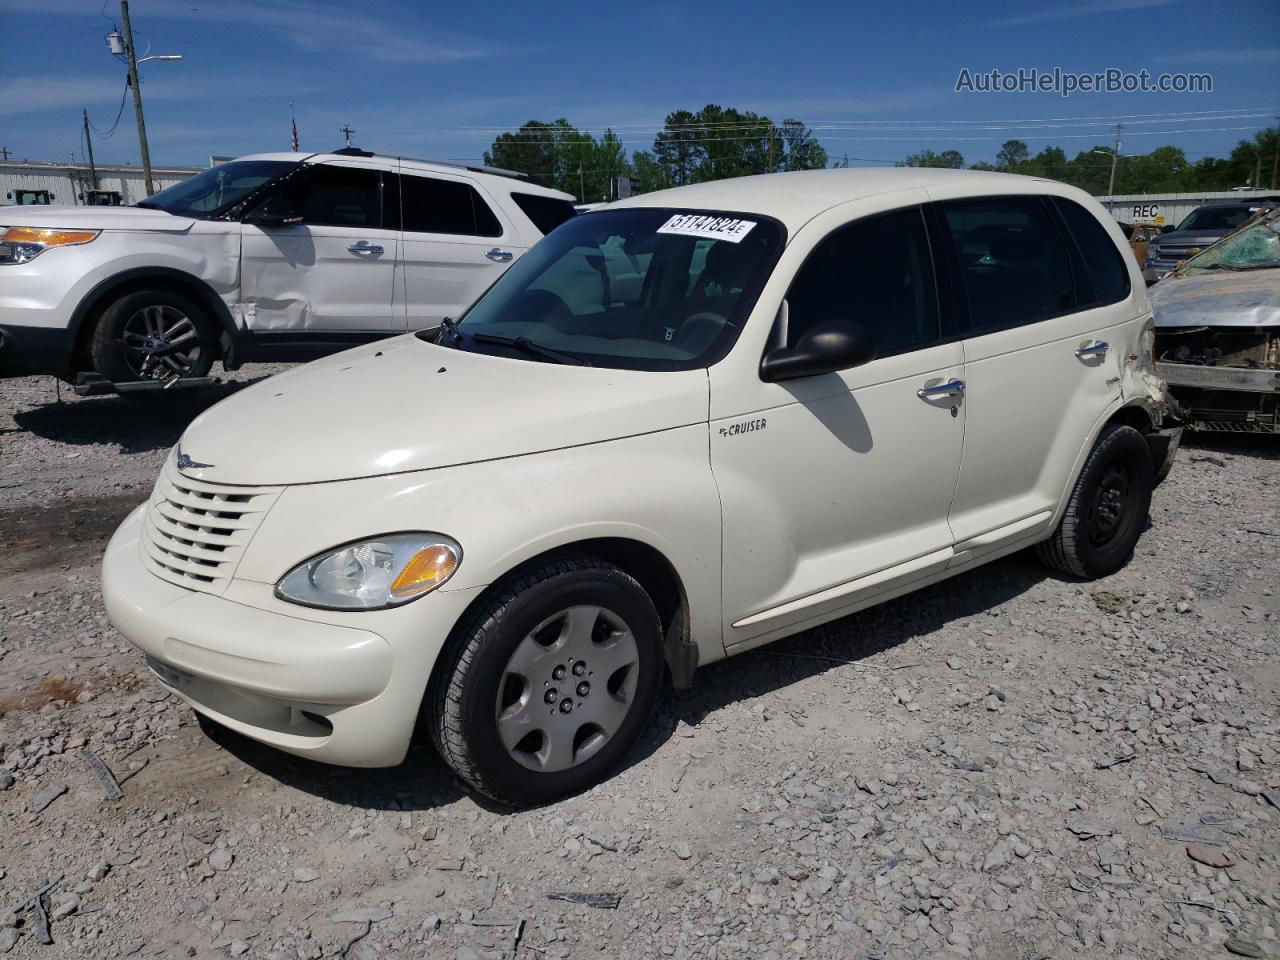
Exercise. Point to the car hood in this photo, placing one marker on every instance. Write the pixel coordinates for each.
(1220, 298)
(94, 218)
(405, 404)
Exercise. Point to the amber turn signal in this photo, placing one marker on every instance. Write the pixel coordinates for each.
(426, 570)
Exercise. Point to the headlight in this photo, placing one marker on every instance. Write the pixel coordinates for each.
(372, 574)
(20, 244)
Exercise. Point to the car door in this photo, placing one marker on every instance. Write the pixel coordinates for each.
(1043, 355)
(836, 488)
(454, 245)
(317, 259)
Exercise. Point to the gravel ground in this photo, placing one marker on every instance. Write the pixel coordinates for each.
(1005, 765)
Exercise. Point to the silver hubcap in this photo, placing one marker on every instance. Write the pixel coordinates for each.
(160, 342)
(567, 688)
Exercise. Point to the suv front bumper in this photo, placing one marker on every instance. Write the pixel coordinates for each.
(336, 692)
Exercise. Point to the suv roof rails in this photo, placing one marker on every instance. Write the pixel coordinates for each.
(473, 167)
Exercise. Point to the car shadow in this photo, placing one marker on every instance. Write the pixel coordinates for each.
(137, 424)
(424, 782)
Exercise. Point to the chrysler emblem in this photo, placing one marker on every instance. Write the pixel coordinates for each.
(186, 463)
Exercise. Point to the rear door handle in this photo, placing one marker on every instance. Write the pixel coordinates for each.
(364, 246)
(1096, 348)
(952, 388)
(499, 256)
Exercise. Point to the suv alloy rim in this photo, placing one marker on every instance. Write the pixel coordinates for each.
(160, 342)
(567, 688)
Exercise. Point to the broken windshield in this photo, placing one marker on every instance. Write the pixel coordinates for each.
(1253, 248)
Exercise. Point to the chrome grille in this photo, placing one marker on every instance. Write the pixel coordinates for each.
(196, 532)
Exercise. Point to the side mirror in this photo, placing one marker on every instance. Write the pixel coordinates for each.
(264, 216)
(826, 347)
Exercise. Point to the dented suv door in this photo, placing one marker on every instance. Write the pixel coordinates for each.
(332, 271)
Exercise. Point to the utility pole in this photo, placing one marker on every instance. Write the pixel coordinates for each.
(1275, 155)
(4, 152)
(137, 97)
(346, 131)
(1115, 155)
(88, 142)
(582, 185)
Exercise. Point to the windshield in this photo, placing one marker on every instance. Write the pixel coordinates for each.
(209, 193)
(1254, 248)
(1216, 218)
(638, 289)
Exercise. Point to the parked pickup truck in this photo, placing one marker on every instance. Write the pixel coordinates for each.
(271, 257)
(1201, 228)
(682, 426)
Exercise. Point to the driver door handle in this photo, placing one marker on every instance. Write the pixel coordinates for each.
(364, 246)
(499, 256)
(952, 388)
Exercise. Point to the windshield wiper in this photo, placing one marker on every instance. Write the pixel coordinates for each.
(536, 349)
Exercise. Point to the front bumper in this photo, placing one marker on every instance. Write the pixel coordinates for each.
(337, 692)
(26, 351)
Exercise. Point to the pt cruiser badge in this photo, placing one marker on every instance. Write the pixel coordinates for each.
(184, 462)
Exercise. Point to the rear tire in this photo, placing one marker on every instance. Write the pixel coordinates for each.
(153, 335)
(545, 688)
(1107, 508)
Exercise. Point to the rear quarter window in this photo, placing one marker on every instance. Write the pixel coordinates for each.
(1106, 273)
(547, 213)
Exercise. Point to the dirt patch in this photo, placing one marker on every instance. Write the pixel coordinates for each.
(63, 691)
(68, 532)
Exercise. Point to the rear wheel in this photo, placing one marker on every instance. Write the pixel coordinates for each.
(1107, 508)
(550, 683)
(153, 335)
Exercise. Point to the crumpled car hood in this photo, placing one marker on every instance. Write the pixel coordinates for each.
(405, 404)
(1218, 299)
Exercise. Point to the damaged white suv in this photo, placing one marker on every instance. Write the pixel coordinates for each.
(278, 257)
(680, 427)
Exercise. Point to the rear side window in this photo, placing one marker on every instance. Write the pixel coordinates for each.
(429, 205)
(1013, 263)
(877, 272)
(1106, 277)
(547, 213)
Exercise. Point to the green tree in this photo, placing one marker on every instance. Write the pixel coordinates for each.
(677, 147)
(649, 174)
(803, 152)
(927, 158)
(1011, 155)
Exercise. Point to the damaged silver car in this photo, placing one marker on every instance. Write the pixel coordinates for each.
(1217, 323)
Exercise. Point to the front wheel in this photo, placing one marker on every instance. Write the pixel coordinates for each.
(153, 335)
(545, 688)
(1107, 508)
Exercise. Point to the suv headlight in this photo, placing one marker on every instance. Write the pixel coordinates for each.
(21, 244)
(372, 574)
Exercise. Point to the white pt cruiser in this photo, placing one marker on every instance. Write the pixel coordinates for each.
(680, 427)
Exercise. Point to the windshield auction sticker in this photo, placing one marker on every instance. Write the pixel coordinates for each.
(712, 228)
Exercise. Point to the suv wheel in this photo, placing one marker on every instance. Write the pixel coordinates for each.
(1107, 508)
(550, 683)
(153, 335)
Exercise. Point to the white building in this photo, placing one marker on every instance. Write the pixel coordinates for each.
(1170, 208)
(66, 183)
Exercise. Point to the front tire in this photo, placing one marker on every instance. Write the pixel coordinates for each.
(1107, 508)
(153, 335)
(546, 687)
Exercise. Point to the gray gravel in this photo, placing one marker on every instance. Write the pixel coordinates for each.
(1006, 765)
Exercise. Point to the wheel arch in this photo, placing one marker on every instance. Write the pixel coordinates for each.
(649, 567)
(89, 310)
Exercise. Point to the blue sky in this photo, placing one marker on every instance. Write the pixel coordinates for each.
(876, 80)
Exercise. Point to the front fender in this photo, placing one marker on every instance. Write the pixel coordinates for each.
(655, 489)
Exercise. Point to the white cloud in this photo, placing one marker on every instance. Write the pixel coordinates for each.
(1053, 14)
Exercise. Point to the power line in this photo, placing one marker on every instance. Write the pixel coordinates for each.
(119, 114)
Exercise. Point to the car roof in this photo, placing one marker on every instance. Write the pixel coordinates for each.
(493, 176)
(796, 197)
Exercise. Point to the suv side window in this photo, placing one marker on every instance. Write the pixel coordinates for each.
(877, 272)
(1013, 263)
(329, 196)
(1106, 275)
(445, 206)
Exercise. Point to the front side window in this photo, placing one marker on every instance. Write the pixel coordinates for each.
(1013, 263)
(877, 272)
(217, 189)
(430, 205)
(640, 289)
(329, 196)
